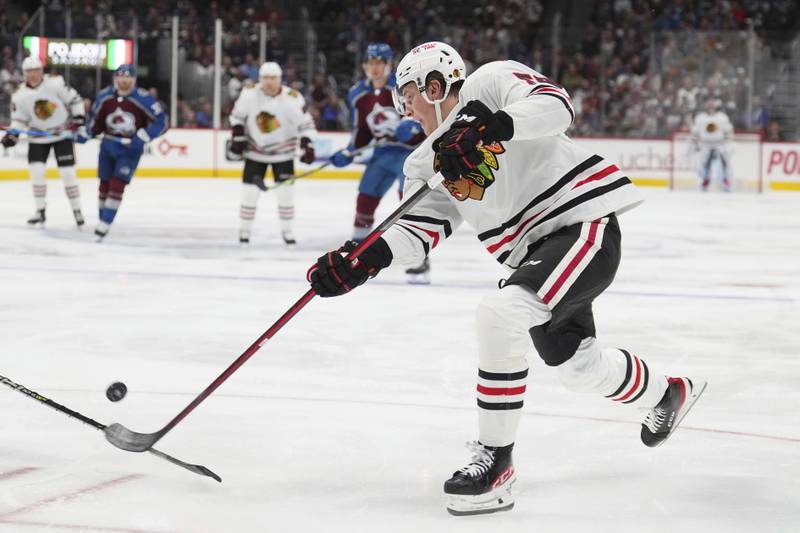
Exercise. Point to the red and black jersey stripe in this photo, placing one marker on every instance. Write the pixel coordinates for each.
(556, 92)
(542, 198)
(437, 229)
(533, 214)
(589, 195)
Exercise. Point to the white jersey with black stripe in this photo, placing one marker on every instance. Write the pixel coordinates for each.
(273, 124)
(527, 188)
(48, 107)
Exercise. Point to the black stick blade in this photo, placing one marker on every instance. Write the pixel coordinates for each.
(128, 440)
(197, 469)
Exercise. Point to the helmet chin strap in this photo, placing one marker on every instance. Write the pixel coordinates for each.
(437, 105)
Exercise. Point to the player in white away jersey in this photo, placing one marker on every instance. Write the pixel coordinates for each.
(47, 108)
(547, 210)
(268, 121)
(712, 136)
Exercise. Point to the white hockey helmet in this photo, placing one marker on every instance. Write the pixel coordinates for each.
(270, 68)
(31, 63)
(419, 63)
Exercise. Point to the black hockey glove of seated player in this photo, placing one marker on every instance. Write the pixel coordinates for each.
(334, 275)
(458, 147)
(239, 140)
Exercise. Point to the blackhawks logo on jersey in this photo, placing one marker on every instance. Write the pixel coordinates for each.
(267, 122)
(474, 184)
(43, 109)
(711, 127)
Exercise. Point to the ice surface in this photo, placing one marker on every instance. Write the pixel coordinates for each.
(355, 413)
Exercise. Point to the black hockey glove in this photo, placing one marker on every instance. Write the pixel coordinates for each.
(239, 140)
(308, 151)
(9, 140)
(458, 147)
(334, 275)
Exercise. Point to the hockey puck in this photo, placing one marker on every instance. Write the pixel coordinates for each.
(116, 391)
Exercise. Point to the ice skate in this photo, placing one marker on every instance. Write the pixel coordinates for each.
(288, 238)
(244, 237)
(419, 275)
(663, 419)
(483, 486)
(101, 231)
(37, 218)
(79, 220)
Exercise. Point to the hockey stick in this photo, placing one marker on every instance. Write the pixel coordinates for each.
(41, 134)
(29, 133)
(197, 469)
(289, 179)
(124, 438)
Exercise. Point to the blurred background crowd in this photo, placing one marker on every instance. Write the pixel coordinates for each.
(635, 68)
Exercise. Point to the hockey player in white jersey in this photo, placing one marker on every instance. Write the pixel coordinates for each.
(543, 207)
(712, 137)
(268, 121)
(47, 108)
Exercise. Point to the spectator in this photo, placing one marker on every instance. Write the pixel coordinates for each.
(774, 133)
(250, 67)
(204, 114)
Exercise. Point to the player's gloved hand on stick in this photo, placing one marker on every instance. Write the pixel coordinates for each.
(9, 140)
(308, 151)
(239, 140)
(79, 134)
(334, 275)
(342, 158)
(407, 129)
(475, 123)
(138, 141)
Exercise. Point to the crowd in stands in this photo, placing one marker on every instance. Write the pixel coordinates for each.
(633, 67)
(644, 68)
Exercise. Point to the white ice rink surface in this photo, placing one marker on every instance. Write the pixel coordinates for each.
(352, 417)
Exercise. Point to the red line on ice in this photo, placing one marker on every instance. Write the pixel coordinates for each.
(65, 497)
(79, 527)
(17, 472)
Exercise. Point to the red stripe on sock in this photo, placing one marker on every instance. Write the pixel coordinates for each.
(497, 391)
(635, 383)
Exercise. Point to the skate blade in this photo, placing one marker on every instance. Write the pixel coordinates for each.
(498, 500)
(418, 279)
(697, 390)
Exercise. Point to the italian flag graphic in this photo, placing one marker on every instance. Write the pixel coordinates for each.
(120, 52)
(37, 47)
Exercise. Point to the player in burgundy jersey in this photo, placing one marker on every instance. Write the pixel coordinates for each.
(375, 120)
(128, 117)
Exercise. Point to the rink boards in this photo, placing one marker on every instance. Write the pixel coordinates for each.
(201, 153)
